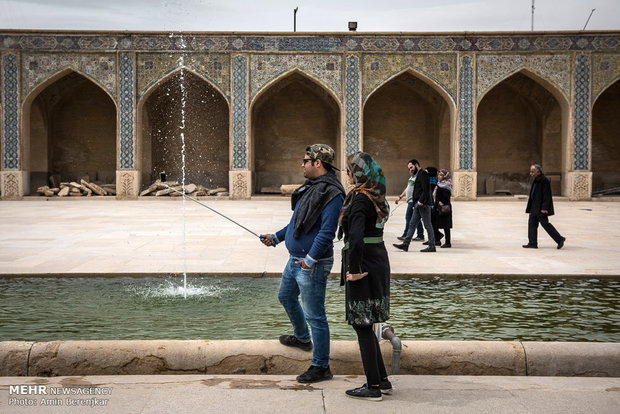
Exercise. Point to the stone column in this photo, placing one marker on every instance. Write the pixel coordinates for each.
(240, 177)
(13, 180)
(352, 105)
(464, 177)
(127, 177)
(578, 182)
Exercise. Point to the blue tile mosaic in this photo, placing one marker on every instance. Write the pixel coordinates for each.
(239, 104)
(10, 104)
(333, 43)
(127, 93)
(582, 113)
(352, 104)
(466, 114)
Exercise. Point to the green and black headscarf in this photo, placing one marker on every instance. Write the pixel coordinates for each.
(368, 178)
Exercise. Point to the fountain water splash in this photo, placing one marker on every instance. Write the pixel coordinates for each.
(170, 289)
(181, 64)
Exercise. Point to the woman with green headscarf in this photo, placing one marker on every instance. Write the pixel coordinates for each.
(366, 268)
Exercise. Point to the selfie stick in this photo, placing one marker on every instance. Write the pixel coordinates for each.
(162, 178)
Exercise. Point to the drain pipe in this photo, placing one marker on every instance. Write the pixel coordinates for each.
(387, 332)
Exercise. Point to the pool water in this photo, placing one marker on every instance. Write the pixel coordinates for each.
(121, 308)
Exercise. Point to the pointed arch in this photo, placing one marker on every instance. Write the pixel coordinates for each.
(69, 126)
(173, 72)
(291, 72)
(409, 115)
(522, 119)
(426, 78)
(205, 130)
(611, 83)
(606, 139)
(42, 85)
(536, 77)
(288, 114)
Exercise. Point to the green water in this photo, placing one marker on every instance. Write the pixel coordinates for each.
(45, 309)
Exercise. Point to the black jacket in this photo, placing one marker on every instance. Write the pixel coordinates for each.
(422, 188)
(540, 196)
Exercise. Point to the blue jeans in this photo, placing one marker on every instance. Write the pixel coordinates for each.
(311, 284)
(408, 215)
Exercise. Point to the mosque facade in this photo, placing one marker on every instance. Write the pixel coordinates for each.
(238, 109)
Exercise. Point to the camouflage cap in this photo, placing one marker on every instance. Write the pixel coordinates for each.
(322, 152)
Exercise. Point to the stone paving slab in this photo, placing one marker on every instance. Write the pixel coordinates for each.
(281, 394)
(166, 236)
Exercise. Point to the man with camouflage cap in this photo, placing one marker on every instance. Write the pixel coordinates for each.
(309, 239)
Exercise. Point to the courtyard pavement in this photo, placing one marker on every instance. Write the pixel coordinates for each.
(100, 236)
(107, 237)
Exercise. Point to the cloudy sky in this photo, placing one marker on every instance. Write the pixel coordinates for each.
(313, 15)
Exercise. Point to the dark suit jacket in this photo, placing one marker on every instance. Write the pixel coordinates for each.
(540, 196)
(422, 188)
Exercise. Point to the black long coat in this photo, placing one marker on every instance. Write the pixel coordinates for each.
(540, 196)
(367, 299)
(443, 195)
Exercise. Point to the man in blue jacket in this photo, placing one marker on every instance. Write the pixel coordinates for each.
(309, 239)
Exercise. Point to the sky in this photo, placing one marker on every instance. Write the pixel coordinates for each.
(312, 16)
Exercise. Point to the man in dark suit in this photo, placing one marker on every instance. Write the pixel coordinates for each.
(540, 207)
(423, 200)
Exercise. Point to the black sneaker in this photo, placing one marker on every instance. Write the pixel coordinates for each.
(315, 374)
(290, 340)
(401, 238)
(429, 249)
(419, 238)
(385, 387)
(365, 393)
(561, 243)
(530, 246)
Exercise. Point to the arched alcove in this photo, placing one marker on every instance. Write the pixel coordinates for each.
(407, 118)
(519, 123)
(606, 139)
(292, 113)
(184, 107)
(70, 131)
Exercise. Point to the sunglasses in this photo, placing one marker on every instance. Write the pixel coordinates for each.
(305, 160)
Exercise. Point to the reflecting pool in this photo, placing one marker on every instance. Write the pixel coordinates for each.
(45, 309)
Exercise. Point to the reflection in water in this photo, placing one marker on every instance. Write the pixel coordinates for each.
(44, 309)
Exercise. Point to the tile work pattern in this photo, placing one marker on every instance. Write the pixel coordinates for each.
(240, 111)
(466, 115)
(10, 111)
(439, 68)
(324, 69)
(127, 94)
(307, 43)
(98, 67)
(153, 67)
(492, 69)
(582, 113)
(605, 72)
(353, 104)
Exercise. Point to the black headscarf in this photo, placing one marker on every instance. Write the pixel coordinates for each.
(314, 195)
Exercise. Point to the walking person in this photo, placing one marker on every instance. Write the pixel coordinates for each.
(421, 210)
(432, 176)
(309, 240)
(443, 206)
(366, 268)
(540, 207)
(407, 194)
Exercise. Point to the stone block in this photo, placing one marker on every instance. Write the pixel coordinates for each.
(14, 358)
(462, 358)
(288, 188)
(64, 191)
(127, 184)
(240, 183)
(14, 184)
(569, 359)
(464, 185)
(578, 185)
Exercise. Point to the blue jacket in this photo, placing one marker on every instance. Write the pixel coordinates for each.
(318, 243)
